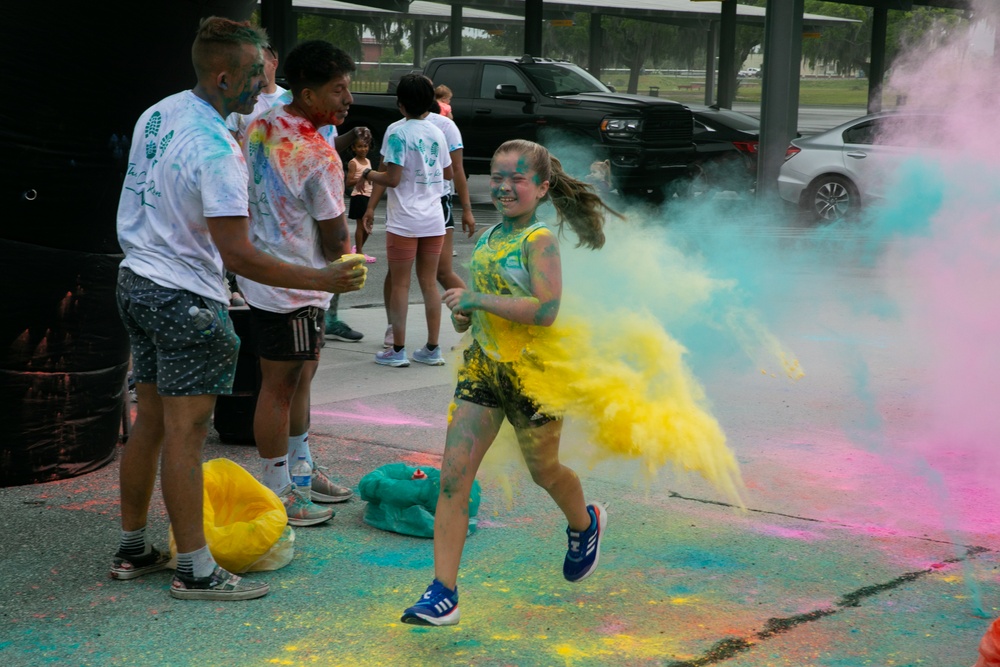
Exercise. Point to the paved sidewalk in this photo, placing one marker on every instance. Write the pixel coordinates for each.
(683, 580)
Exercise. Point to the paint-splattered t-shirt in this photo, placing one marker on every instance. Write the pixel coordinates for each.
(500, 267)
(296, 178)
(414, 206)
(184, 167)
(239, 123)
(328, 131)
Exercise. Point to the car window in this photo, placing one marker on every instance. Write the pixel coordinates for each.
(562, 79)
(736, 120)
(862, 133)
(496, 75)
(457, 76)
(911, 131)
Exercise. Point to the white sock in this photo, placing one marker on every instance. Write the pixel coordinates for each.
(198, 563)
(275, 473)
(298, 445)
(134, 542)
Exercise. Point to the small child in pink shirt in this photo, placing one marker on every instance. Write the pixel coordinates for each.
(360, 194)
(443, 96)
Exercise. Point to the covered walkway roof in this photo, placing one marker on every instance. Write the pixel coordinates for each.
(477, 12)
(419, 9)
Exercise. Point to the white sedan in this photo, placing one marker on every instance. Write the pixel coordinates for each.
(831, 174)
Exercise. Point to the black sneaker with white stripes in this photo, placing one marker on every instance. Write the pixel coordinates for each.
(437, 606)
(585, 548)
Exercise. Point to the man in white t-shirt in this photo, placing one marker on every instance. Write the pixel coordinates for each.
(271, 96)
(182, 213)
(416, 164)
(336, 328)
(297, 213)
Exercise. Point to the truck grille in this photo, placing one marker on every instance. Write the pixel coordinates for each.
(673, 126)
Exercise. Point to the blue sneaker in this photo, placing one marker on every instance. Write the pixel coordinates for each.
(437, 606)
(388, 357)
(425, 356)
(585, 548)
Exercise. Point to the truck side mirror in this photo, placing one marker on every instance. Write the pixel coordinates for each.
(507, 91)
(611, 88)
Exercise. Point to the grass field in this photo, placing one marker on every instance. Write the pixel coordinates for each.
(812, 92)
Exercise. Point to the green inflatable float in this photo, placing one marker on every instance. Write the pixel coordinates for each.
(402, 499)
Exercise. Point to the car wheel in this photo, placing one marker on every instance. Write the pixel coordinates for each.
(695, 183)
(831, 197)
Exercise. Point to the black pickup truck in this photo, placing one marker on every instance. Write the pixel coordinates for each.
(647, 139)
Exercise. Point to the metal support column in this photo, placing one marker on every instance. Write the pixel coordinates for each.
(533, 27)
(876, 68)
(277, 17)
(779, 104)
(710, 49)
(596, 37)
(455, 31)
(727, 54)
(417, 39)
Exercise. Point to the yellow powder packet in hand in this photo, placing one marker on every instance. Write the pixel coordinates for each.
(352, 256)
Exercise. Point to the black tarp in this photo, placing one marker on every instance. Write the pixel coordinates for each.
(76, 76)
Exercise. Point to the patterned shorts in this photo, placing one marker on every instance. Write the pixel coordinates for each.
(168, 348)
(494, 384)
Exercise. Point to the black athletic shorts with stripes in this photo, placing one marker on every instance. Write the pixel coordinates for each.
(449, 217)
(294, 336)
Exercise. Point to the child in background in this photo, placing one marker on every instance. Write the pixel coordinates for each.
(516, 288)
(443, 96)
(361, 192)
(416, 164)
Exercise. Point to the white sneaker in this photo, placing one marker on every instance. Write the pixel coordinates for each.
(390, 357)
(387, 341)
(425, 356)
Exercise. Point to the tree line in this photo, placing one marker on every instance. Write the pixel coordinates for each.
(637, 44)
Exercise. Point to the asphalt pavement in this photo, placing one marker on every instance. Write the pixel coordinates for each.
(816, 571)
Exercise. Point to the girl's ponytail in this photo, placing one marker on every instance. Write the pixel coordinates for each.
(578, 206)
(575, 201)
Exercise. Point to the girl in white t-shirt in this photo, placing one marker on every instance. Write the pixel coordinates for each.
(416, 164)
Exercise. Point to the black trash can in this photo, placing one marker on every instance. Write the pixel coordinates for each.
(234, 413)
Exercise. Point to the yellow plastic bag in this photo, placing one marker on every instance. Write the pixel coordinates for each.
(246, 525)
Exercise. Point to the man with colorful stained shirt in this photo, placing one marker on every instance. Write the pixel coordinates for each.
(297, 213)
(182, 214)
(274, 95)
